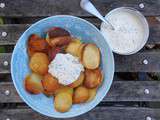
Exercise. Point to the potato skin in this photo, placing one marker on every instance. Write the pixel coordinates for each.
(64, 89)
(39, 63)
(78, 82)
(37, 43)
(80, 95)
(73, 47)
(50, 83)
(33, 83)
(93, 78)
(92, 94)
(63, 102)
(91, 51)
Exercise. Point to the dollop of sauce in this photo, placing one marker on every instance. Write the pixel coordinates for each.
(66, 68)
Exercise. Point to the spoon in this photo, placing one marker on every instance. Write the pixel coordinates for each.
(89, 7)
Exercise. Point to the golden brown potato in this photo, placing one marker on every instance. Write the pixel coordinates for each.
(93, 78)
(80, 51)
(64, 89)
(39, 63)
(80, 95)
(50, 83)
(63, 102)
(37, 44)
(30, 51)
(73, 47)
(33, 83)
(91, 51)
(57, 32)
(92, 94)
(78, 82)
(47, 94)
(60, 41)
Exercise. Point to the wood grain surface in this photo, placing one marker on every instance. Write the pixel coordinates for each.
(99, 113)
(20, 8)
(119, 91)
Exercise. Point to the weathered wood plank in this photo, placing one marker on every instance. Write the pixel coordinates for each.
(32, 8)
(15, 30)
(99, 113)
(132, 63)
(120, 91)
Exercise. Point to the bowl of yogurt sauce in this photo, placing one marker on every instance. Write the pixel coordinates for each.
(131, 30)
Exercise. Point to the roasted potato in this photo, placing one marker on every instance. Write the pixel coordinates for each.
(37, 44)
(30, 51)
(39, 63)
(63, 102)
(50, 83)
(48, 94)
(60, 41)
(91, 51)
(93, 78)
(33, 83)
(80, 51)
(80, 95)
(64, 89)
(92, 94)
(57, 32)
(78, 82)
(73, 47)
(52, 51)
(60, 34)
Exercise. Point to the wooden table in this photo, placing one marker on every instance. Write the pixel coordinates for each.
(133, 91)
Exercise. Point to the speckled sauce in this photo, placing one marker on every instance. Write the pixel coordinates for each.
(66, 68)
(128, 34)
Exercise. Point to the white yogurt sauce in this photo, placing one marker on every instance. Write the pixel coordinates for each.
(66, 68)
(128, 34)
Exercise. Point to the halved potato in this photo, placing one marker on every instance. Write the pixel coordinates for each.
(63, 102)
(60, 41)
(39, 63)
(64, 89)
(57, 36)
(93, 78)
(91, 56)
(92, 94)
(73, 47)
(33, 83)
(50, 83)
(80, 51)
(37, 44)
(78, 82)
(81, 95)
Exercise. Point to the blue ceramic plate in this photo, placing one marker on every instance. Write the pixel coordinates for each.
(78, 28)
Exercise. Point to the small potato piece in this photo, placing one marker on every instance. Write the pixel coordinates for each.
(80, 95)
(39, 63)
(37, 44)
(33, 83)
(64, 89)
(80, 51)
(50, 83)
(92, 94)
(60, 41)
(63, 102)
(73, 47)
(91, 51)
(93, 78)
(78, 82)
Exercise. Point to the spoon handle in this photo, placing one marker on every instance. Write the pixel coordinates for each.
(89, 7)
